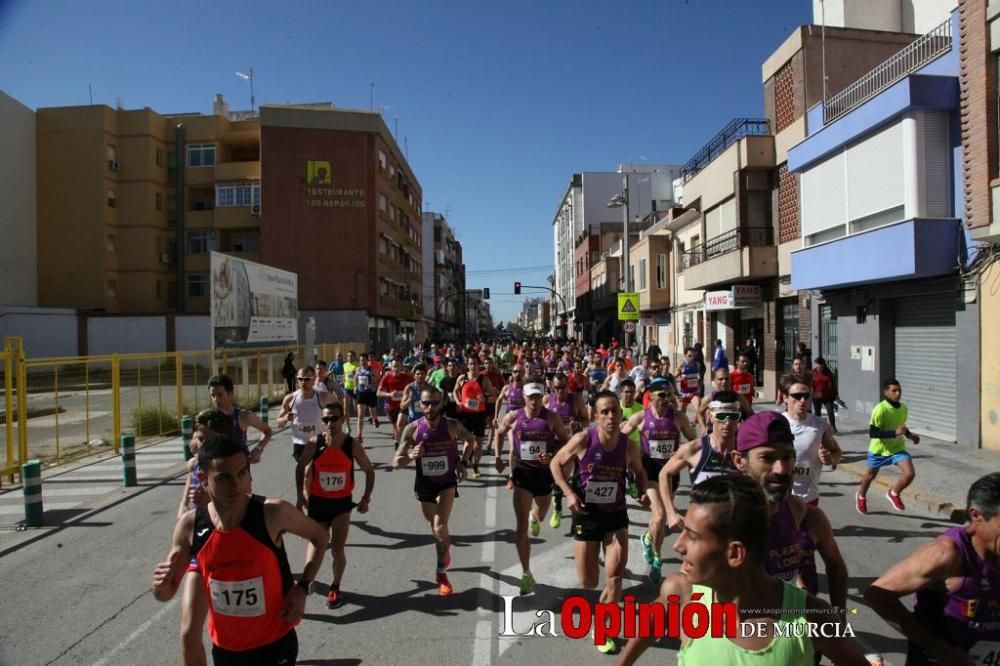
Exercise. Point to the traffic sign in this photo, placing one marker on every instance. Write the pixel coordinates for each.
(628, 306)
(629, 326)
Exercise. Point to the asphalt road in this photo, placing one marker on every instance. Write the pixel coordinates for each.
(79, 593)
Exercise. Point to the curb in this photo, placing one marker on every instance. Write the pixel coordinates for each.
(936, 505)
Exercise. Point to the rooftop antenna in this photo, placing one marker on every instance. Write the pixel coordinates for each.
(249, 78)
(406, 148)
(822, 41)
(90, 88)
(371, 96)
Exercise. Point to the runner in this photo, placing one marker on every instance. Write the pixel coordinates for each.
(659, 428)
(497, 381)
(350, 398)
(236, 540)
(536, 433)
(720, 382)
(434, 440)
(409, 408)
(614, 380)
(472, 391)
(689, 378)
(330, 486)
(597, 498)
(220, 391)
(575, 417)
(304, 410)
(741, 380)
(956, 578)
(705, 457)
(326, 386)
(511, 399)
(887, 429)
(390, 389)
(723, 548)
(365, 381)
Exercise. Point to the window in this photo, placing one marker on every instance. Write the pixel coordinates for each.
(241, 195)
(244, 241)
(171, 294)
(159, 288)
(159, 157)
(383, 245)
(383, 287)
(661, 271)
(159, 201)
(199, 241)
(111, 289)
(382, 203)
(642, 274)
(171, 209)
(197, 285)
(171, 167)
(392, 172)
(110, 243)
(201, 155)
(112, 199)
(381, 160)
(437, 234)
(112, 154)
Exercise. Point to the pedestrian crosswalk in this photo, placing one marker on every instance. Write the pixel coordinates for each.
(88, 483)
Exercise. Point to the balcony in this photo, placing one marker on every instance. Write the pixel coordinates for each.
(741, 254)
(235, 217)
(727, 136)
(228, 171)
(915, 248)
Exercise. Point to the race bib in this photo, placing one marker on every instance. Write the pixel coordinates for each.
(238, 598)
(744, 389)
(306, 429)
(472, 403)
(434, 465)
(601, 492)
(332, 481)
(661, 449)
(986, 653)
(802, 470)
(362, 381)
(339, 378)
(530, 450)
(397, 395)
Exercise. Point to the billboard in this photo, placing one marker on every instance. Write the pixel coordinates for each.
(253, 305)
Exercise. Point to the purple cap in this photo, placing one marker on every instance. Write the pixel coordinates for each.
(763, 428)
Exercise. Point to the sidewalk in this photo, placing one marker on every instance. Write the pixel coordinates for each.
(945, 470)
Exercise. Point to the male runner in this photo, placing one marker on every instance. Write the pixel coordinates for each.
(658, 428)
(409, 407)
(720, 382)
(330, 486)
(575, 416)
(497, 381)
(328, 388)
(956, 579)
(220, 391)
(350, 368)
(597, 498)
(689, 378)
(887, 429)
(472, 393)
(705, 457)
(390, 389)
(304, 410)
(723, 547)
(365, 381)
(536, 433)
(236, 540)
(741, 380)
(434, 441)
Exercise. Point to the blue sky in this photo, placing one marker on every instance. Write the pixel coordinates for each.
(499, 102)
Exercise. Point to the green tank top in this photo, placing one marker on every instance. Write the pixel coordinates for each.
(791, 651)
(627, 413)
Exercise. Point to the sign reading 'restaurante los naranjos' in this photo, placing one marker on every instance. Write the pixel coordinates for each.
(322, 192)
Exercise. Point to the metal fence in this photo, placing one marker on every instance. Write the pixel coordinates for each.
(61, 409)
(918, 53)
(727, 242)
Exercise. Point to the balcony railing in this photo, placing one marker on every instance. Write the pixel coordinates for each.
(728, 242)
(727, 136)
(923, 50)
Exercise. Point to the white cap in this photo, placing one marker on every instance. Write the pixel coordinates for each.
(533, 389)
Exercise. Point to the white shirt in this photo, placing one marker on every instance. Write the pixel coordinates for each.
(808, 439)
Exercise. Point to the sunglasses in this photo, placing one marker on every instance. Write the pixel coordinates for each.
(558, 387)
(663, 395)
(800, 396)
(430, 403)
(330, 419)
(304, 379)
(727, 417)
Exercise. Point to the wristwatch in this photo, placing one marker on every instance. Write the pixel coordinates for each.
(305, 585)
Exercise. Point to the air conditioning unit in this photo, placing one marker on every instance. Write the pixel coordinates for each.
(255, 209)
(167, 257)
(114, 165)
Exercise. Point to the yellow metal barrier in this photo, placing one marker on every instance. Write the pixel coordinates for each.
(79, 406)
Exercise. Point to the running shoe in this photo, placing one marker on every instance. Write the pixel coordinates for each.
(633, 490)
(556, 520)
(444, 585)
(655, 572)
(861, 504)
(334, 599)
(475, 472)
(527, 584)
(608, 647)
(446, 562)
(510, 483)
(377, 423)
(488, 451)
(647, 547)
(535, 527)
(896, 501)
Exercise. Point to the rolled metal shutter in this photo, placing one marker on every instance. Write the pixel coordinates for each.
(926, 362)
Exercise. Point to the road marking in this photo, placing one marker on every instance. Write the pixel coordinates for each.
(69, 492)
(482, 647)
(12, 509)
(117, 464)
(138, 632)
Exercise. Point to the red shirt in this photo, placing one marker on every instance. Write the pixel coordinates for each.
(496, 381)
(742, 383)
(576, 382)
(822, 386)
(394, 382)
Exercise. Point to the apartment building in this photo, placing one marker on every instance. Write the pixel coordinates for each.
(444, 278)
(18, 267)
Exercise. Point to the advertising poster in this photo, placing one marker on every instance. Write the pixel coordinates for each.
(253, 305)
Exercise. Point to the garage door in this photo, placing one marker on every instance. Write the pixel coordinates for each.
(926, 362)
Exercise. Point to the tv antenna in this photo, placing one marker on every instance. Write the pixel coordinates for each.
(249, 79)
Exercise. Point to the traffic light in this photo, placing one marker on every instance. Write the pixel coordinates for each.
(517, 287)
(486, 293)
(565, 321)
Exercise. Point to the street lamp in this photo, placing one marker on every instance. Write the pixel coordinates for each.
(620, 200)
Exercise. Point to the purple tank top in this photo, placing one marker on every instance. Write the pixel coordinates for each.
(601, 480)
(784, 557)
(565, 410)
(437, 464)
(972, 613)
(658, 436)
(532, 437)
(515, 397)
(238, 433)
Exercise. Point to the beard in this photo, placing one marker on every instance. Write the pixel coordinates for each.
(776, 495)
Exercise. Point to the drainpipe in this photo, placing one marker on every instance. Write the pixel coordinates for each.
(179, 241)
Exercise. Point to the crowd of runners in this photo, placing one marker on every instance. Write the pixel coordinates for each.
(579, 433)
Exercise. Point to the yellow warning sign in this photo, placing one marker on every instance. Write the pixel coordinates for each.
(628, 306)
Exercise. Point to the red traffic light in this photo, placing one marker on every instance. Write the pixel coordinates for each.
(517, 287)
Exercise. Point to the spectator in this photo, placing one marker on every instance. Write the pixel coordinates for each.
(824, 391)
(288, 371)
(719, 359)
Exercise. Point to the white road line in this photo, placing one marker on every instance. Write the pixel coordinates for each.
(117, 464)
(13, 509)
(482, 647)
(137, 633)
(69, 492)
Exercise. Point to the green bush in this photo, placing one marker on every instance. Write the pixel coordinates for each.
(154, 421)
